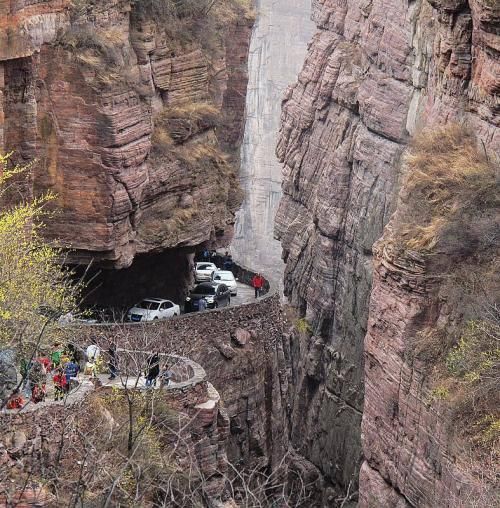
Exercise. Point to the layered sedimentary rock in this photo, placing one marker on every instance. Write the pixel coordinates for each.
(277, 50)
(412, 456)
(82, 87)
(375, 73)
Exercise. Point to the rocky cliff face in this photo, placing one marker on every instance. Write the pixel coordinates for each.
(278, 46)
(376, 72)
(427, 385)
(134, 116)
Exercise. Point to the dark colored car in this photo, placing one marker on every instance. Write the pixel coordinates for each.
(216, 295)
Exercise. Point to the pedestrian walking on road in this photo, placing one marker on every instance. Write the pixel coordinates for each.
(56, 355)
(202, 304)
(93, 353)
(16, 401)
(75, 354)
(71, 370)
(60, 384)
(165, 377)
(258, 284)
(38, 380)
(153, 369)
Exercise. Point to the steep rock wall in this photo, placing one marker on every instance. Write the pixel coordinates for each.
(277, 49)
(412, 456)
(375, 73)
(130, 121)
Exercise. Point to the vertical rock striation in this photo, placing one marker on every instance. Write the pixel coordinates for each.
(277, 49)
(376, 71)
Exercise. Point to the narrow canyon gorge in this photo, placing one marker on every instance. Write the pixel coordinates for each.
(277, 50)
(347, 149)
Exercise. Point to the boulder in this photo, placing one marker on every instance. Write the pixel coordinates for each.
(241, 336)
(225, 349)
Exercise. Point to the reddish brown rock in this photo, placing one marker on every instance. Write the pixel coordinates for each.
(241, 336)
(411, 456)
(376, 72)
(88, 117)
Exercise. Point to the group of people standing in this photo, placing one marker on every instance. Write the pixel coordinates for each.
(64, 364)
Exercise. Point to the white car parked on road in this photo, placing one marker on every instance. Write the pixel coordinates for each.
(150, 309)
(203, 272)
(226, 277)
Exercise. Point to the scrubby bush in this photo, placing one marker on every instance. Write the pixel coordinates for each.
(183, 121)
(165, 9)
(34, 289)
(303, 326)
(451, 197)
(99, 50)
(450, 184)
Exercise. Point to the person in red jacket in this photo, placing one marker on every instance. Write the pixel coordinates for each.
(258, 284)
(59, 384)
(16, 401)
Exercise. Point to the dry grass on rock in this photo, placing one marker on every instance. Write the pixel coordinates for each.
(449, 181)
(451, 200)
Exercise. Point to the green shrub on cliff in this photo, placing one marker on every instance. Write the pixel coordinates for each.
(477, 353)
(34, 290)
(303, 326)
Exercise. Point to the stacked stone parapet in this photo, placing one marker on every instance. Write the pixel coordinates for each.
(31, 439)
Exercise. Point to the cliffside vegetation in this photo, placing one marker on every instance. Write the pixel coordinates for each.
(452, 197)
(189, 9)
(452, 188)
(34, 290)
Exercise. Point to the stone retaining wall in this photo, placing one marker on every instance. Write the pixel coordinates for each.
(30, 442)
(191, 331)
(240, 350)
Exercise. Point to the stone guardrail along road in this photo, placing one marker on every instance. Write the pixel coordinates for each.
(86, 384)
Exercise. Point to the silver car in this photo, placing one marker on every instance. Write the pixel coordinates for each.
(203, 272)
(226, 277)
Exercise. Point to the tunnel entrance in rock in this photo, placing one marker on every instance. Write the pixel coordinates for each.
(165, 275)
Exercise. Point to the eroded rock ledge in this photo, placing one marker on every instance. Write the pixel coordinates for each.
(97, 92)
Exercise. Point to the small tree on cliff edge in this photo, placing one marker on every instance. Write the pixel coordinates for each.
(34, 290)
